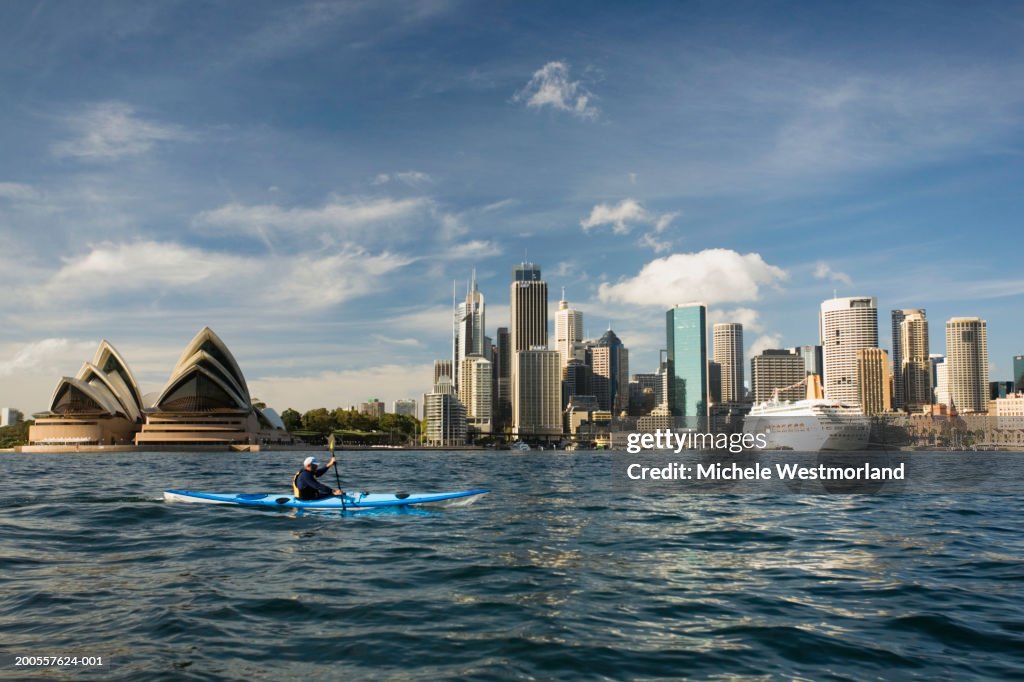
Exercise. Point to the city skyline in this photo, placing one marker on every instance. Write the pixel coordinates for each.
(311, 180)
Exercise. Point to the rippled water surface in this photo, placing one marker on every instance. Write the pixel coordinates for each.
(554, 575)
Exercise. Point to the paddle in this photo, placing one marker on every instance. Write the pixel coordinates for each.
(337, 477)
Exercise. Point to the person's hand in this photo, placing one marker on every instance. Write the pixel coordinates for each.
(334, 460)
(339, 493)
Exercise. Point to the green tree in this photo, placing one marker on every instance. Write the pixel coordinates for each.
(319, 420)
(292, 420)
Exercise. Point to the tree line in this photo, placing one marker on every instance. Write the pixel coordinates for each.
(317, 424)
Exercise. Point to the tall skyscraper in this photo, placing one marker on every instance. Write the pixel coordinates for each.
(529, 333)
(476, 393)
(914, 376)
(406, 406)
(470, 336)
(846, 326)
(777, 369)
(874, 381)
(609, 360)
(529, 299)
(940, 379)
(899, 384)
(503, 360)
(967, 359)
(1018, 372)
(687, 339)
(537, 393)
(568, 330)
(728, 352)
(714, 383)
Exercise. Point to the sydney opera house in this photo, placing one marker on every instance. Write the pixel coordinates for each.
(205, 403)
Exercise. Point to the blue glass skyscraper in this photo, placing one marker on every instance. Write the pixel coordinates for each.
(687, 339)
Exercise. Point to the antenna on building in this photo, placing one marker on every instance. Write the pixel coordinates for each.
(563, 293)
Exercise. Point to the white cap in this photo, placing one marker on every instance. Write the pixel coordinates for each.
(310, 460)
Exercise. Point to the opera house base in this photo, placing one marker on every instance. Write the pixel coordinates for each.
(110, 449)
(82, 431)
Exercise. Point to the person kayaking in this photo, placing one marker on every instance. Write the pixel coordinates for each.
(304, 483)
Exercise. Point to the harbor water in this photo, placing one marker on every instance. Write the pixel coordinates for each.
(558, 573)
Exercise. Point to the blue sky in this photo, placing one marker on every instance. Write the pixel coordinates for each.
(309, 179)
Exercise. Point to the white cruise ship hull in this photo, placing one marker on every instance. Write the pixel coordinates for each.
(809, 426)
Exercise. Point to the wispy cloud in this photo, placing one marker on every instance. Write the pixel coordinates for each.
(113, 130)
(551, 86)
(824, 271)
(45, 354)
(17, 191)
(623, 215)
(411, 178)
(711, 276)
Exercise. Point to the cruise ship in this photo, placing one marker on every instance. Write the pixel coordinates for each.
(810, 425)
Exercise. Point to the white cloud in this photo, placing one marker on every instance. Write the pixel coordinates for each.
(551, 86)
(112, 130)
(763, 342)
(48, 355)
(345, 388)
(119, 268)
(748, 317)
(712, 276)
(16, 191)
(657, 245)
(310, 282)
(411, 178)
(824, 271)
(622, 215)
(347, 216)
(472, 249)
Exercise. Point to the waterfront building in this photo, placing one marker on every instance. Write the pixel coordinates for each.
(9, 416)
(1018, 372)
(778, 369)
(476, 393)
(687, 340)
(874, 381)
(537, 393)
(912, 386)
(967, 358)
(1009, 412)
(728, 353)
(406, 407)
(940, 379)
(643, 393)
(445, 416)
(846, 325)
(897, 355)
(568, 330)
(372, 408)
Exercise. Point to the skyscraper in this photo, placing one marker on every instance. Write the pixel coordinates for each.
(898, 352)
(813, 362)
(609, 360)
(537, 393)
(503, 360)
(687, 339)
(846, 325)
(529, 299)
(777, 369)
(967, 360)
(568, 330)
(529, 333)
(442, 368)
(476, 393)
(445, 416)
(470, 336)
(940, 379)
(728, 352)
(874, 381)
(1018, 372)
(914, 376)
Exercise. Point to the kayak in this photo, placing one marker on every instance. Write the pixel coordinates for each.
(347, 502)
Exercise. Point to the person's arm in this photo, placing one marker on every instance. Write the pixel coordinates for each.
(322, 489)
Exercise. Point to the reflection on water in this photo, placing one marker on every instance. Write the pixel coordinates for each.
(555, 574)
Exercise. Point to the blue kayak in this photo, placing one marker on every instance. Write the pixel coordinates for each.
(347, 502)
